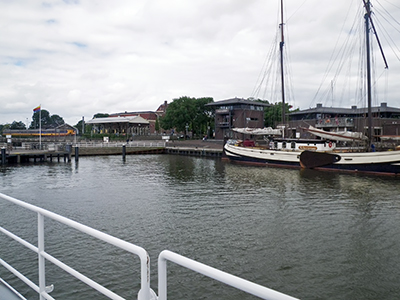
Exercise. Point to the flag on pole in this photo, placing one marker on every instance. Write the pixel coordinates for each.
(36, 109)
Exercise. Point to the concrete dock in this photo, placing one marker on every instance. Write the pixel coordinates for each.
(202, 148)
(23, 156)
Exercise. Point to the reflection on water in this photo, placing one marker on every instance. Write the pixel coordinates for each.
(313, 235)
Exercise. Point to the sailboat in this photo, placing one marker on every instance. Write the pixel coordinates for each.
(321, 154)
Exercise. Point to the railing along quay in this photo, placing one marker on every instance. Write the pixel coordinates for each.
(205, 148)
(44, 287)
(133, 144)
(194, 151)
(49, 151)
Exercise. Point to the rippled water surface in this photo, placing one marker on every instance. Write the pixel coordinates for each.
(309, 234)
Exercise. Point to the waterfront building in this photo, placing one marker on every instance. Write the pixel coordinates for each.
(242, 113)
(386, 120)
(134, 125)
(237, 113)
(131, 123)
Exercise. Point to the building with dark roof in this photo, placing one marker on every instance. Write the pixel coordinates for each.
(237, 112)
(386, 120)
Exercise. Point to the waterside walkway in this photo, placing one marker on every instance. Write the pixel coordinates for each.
(23, 156)
(202, 148)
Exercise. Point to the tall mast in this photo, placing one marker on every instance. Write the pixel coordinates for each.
(282, 74)
(369, 93)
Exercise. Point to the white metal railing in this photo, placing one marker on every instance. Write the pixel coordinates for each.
(229, 279)
(120, 144)
(145, 293)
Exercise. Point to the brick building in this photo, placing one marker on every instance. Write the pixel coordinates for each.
(239, 113)
(131, 123)
(385, 120)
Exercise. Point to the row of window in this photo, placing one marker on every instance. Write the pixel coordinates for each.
(243, 106)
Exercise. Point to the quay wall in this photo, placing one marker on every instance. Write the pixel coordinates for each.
(212, 149)
(95, 151)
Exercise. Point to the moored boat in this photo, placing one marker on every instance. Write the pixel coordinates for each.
(279, 152)
(297, 153)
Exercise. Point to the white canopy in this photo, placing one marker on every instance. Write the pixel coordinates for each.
(258, 131)
(134, 120)
(336, 135)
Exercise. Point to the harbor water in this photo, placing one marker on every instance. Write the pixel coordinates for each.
(308, 234)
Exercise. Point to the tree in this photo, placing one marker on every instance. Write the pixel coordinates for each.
(18, 125)
(273, 114)
(47, 121)
(187, 113)
(5, 126)
(179, 114)
(87, 128)
(56, 120)
(157, 125)
(204, 116)
(101, 115)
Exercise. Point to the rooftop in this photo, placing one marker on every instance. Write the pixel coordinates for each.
(238, 101)
(132, 120)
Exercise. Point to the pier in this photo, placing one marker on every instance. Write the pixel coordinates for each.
(51, 152)
(202, 148)
(24, 156)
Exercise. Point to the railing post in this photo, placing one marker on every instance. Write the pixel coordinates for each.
(42, 275)
(162, 278)
(145, 293)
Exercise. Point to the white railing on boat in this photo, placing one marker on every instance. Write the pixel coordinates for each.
(145, 293)
(229, 279)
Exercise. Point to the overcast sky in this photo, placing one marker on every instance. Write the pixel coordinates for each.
(81, 57)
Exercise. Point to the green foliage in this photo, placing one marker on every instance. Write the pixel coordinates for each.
(157, 125)
(273, 114)
(205, 114)
(18, 125)
(47, 121)
(56, 120)
(87, 128)
(101, 115)
(2, 127)
(188, 113)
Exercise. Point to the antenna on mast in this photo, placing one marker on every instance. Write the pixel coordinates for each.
(367, 5)
(281, 44)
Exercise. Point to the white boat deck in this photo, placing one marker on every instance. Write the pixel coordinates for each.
(8, 293)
